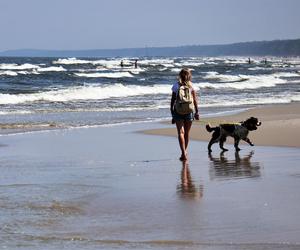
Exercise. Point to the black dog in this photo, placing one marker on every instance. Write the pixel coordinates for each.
(238, 131)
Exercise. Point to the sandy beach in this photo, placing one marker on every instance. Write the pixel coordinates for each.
(113, 188)
(280, 125)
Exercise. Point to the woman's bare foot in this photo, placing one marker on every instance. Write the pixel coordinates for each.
(183, 157)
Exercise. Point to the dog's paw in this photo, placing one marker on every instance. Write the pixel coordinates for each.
(251, 144)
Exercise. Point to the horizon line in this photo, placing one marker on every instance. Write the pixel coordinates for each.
(146, 46)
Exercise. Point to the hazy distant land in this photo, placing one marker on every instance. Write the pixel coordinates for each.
(256, 48)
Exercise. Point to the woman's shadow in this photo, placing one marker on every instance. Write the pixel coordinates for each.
(187, 187)
(222, 168)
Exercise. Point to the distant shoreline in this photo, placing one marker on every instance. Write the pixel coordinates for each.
(288, 47)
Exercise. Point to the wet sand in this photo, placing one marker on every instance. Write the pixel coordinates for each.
(113, 188)
(280, 126)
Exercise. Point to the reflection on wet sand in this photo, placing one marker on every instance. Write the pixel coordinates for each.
(222, 168)
(187, 188)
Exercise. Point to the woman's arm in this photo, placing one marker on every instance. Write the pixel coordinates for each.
(173, 99)
(195, 104)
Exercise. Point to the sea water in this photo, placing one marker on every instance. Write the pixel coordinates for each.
(37, 93)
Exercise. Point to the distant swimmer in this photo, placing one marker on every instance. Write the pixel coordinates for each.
(249, 60)
(122, 64)
(135, 63)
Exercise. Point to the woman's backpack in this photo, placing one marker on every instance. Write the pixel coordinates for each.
(184, 103)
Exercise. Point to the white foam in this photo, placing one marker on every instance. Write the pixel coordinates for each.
(246, 81)
(167, 65)
(86, 93)
(176, 70)
(8, 73)
(15, 112)
(259, 68)
(109, 63)
(52, 69)
(91, 70)
(13, 66)
(135, 71)
(112, 63)
(105, 75)
(253, 101)
(71, 60)
(190, 64)
(155, 62)
(254, 83)
(22, 72)
(224, 78)
(287, 74)
(211, 75)
(16, 73)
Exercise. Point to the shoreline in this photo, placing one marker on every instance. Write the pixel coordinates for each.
(280, 125)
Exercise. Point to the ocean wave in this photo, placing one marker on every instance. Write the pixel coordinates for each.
(253, 83)
(86, 93)
(71, 60)
(13, 66)
(26, 69)
(15, 112)
(287, 74)
(8, 73)
(110, 64)
(167, 65)
(156, 62)
(105, 75)
(246, 81)
(135, 71)
(224, 78)
(252, 101)
(51, 69)
(16, 73)
(190, 64)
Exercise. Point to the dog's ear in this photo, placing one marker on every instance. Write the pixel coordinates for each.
(254, 119)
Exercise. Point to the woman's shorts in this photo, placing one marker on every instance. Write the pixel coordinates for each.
(187, 117)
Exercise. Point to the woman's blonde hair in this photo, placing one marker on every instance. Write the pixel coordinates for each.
(185, 77)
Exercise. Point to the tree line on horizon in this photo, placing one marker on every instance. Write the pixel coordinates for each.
(255, 48)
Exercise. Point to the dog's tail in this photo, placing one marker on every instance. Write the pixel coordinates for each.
(209, 128)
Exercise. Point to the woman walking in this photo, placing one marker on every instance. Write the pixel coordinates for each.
(184, 109)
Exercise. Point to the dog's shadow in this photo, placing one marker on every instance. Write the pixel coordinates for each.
(222, 168)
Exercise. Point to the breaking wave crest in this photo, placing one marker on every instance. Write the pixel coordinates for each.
(85, 93)
(105, 75)
(245, 81)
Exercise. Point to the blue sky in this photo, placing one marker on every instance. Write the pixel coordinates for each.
(102, 24)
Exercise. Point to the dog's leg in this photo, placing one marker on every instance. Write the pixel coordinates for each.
(236, 143)
(214, 139)
(211, 142)
(221, 143)
(248, 141)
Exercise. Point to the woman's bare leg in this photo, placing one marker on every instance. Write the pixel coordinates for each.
(187, 127)
(181, 139)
